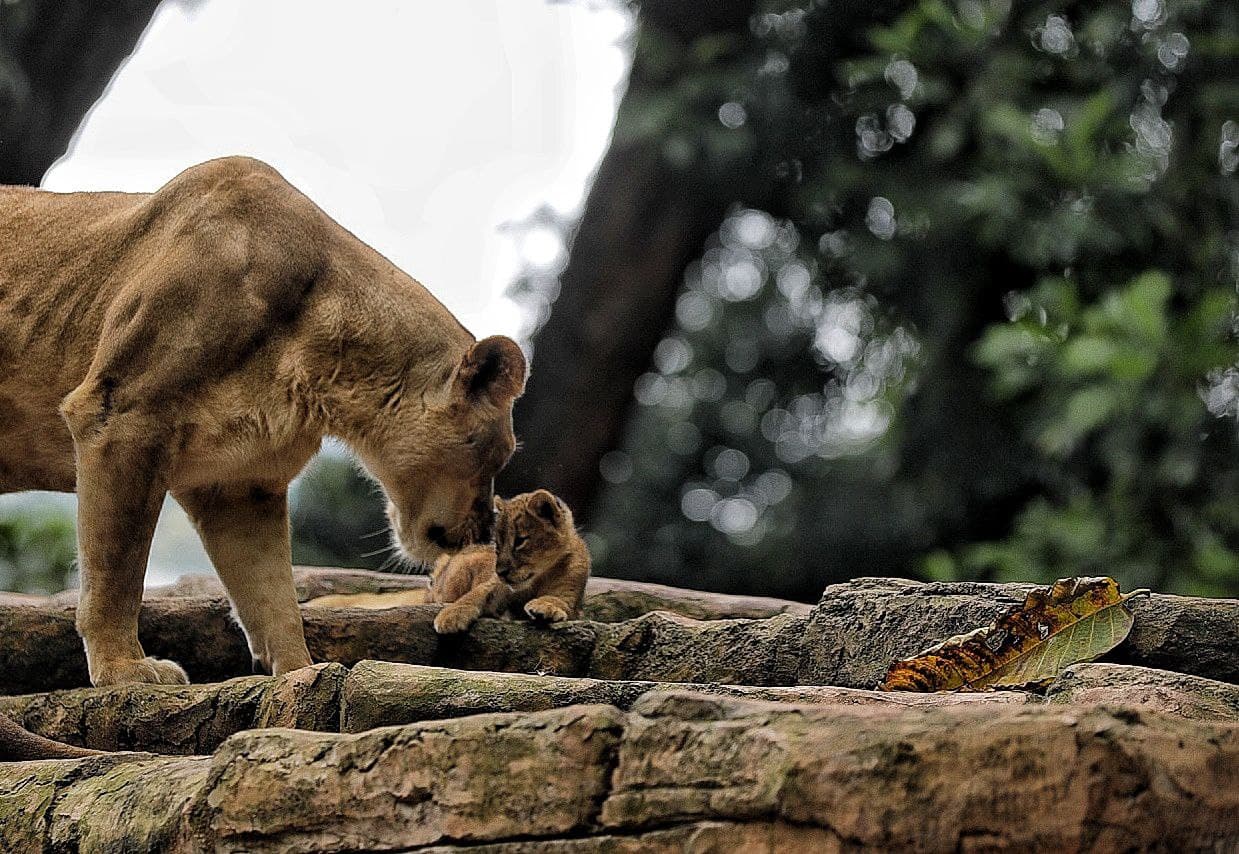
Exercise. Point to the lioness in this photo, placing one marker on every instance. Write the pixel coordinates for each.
(201, 340)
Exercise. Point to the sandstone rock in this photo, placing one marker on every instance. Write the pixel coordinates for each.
(857, 629)
(607, 600)
(195, 719)
(39, 649)
(1185, 634)
(311, 582)
(133, 806)
(199, 633)
(666, 647)
(933, 779)
(327, 698)
(1155, 690)
(849, 640)
(742, 838)
(158, 718)
(379, 693)
(486, 777)
(308, 698)
(181, 719)
(107, 803)
(681, 771)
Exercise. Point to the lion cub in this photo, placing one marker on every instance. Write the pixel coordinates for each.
(537, 567)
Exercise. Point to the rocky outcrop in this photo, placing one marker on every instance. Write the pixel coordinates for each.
(379, 693)
(857, 629)
(607, 600)
(932, 779)
(751, 730)
(182, 719)
(1146, 688)
(677, 767)
(197, 718)
(848, 640)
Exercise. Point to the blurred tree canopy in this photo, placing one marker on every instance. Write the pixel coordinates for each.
(37, 551)
(972, 314)
(943, 289)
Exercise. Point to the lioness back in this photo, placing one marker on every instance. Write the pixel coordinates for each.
(85, 291)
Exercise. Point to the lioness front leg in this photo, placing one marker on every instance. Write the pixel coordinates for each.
(244, 528)
(120, 489)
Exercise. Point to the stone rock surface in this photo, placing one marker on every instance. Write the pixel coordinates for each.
(702, 836)
(678, 769)
(190, 719)
(667, 647)
(638, 730)
(607, 600)
(200, 635)
(1144, 687)
(380, 693)
(948, 779)
(859, 628)
(848, 640)
(182, 719)
(479, 778)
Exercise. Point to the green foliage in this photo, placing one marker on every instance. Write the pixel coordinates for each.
(37, 550)
(337, 515)
(1109, 393)
(1035, 206)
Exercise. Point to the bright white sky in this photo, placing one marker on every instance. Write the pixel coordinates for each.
(423, 127)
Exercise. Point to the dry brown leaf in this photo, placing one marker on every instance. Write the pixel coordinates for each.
(1075, 620)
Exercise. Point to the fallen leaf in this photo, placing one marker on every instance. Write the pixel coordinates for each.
(1075, 620)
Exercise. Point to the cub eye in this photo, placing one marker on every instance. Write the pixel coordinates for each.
(519, 541)
(471, 440)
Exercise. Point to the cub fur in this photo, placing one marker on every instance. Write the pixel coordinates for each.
(537, 568)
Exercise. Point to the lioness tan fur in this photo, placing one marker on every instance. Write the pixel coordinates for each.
(538, 568)
(202, 340)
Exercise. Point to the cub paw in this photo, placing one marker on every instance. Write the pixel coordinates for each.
(150, 671)
(546, 608)
(453, 620)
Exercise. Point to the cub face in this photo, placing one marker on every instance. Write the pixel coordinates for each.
(532, 534)
(441, 490)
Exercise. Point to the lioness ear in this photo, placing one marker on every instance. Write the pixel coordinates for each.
(493, 367)
(545, 505)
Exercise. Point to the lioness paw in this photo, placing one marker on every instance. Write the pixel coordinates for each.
(546, 608)
(453, 620)
(150, 671)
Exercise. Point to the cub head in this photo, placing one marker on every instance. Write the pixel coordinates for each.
(532, 532)
(439, 462)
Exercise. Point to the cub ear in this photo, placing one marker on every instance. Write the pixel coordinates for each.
(544, 505)
(494, 368)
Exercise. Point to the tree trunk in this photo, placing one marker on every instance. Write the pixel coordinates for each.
(56, 59)
(645, 220)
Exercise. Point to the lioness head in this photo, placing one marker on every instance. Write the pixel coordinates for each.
(445, 453)
(532, 531)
